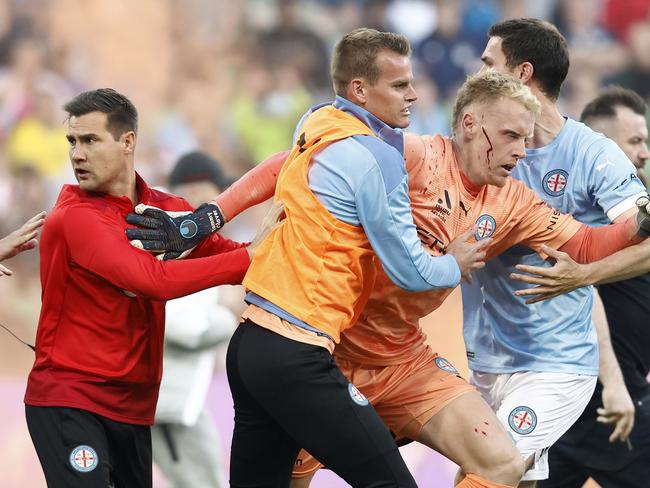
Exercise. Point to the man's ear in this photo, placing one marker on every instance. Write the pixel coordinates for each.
(468, 125)
(128, 141)
(357, 92)
(525, 72)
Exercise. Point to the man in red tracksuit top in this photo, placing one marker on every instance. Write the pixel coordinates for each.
(92, 392)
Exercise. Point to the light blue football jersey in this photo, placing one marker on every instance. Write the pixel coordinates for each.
(582, 173)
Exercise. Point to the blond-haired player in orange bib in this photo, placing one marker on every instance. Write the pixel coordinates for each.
(456, 185)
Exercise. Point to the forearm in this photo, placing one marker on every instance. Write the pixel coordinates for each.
(106, 253)
(95, 241)
(256, 186)
(6, 248)
(165, 280)
(215, 244)
(609, 370)
(591, 244)
(622, 265)
(618, 407)
(392, 233)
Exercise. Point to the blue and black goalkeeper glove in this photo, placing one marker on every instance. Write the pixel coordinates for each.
(173, 233)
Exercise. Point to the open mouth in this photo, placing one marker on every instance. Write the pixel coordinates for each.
(81, 173)
(509, 167)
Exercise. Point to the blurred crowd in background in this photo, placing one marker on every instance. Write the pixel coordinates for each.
(233, 77)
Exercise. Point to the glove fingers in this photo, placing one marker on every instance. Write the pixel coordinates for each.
(171, 255)
(143, 221)
(144, 234)
(155, 213)
(155, 246)
(174, 254)
(186, 252)
(141, 208)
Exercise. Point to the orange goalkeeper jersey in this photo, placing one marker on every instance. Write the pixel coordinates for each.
(445, 204)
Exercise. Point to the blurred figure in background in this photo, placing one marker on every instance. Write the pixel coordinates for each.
(620, 114)
(195, 325)
(265, 109)
(293, 45)
(38, 140)
(638, 72)
(430, 115)
(26, 74)
(37, 154)
(449, 51)
(580, 22)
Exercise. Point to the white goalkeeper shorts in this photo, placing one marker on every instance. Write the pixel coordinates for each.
(535, 408)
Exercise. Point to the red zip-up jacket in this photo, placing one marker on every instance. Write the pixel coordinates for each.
(99, 347)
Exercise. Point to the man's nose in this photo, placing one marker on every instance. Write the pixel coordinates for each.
(520, 150)
(76, 153)
(644, 154)
(411, 95)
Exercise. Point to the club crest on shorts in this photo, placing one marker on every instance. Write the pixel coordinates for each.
(485, 227)
(357, 396)
(555, 181)
(445, 365)
(522, 420)
(84, 458)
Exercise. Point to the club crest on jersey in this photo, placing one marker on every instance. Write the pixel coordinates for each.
(522, 420)
(84, 458)
(555, 181)
(485, 227)
(445, 365)
(357, 396)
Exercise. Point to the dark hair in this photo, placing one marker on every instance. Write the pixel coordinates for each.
(199, 166)
(604, 105)
(121, 114)
(356, 55)
(539, 43)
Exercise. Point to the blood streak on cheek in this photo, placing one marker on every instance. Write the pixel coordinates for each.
(490, 150)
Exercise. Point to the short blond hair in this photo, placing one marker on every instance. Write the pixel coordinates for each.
(490, 86)
(355, 55)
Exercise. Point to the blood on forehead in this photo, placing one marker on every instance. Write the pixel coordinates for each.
(490, 150)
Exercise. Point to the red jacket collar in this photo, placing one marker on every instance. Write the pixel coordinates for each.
(73, 192)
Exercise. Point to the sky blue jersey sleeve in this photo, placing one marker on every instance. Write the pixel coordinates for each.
(363, 181)
(612, 180)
